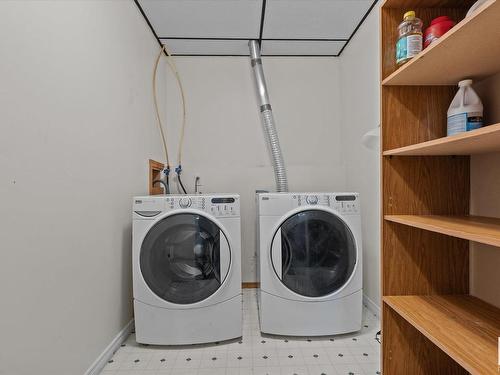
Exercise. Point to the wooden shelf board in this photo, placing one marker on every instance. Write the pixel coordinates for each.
(475, 228)
(479, 141)
(464, 327)
(463, 52)
(426, 3)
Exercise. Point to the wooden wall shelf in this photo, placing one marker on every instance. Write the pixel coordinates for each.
(430, 324)
(401, 4)
(464, 327)
(474, 228)
(463, 52)
(479, 141)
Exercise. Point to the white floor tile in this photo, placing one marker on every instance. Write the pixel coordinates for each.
(341, 358)
(296, 370)
(177, 371)
(211, 371)
(322, 370)
(351, 369)
(136, 361)
(315, 356)
(243, 371)
(371, 368)
(256, 354)
(274, 370)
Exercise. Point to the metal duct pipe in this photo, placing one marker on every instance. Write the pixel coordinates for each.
(268, 119)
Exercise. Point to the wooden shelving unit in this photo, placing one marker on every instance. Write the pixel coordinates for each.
(464, 327)
(479, 141)
(430, 323)
(474, 228)
(455, 56)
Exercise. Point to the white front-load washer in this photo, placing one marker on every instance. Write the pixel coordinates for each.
(310, 263)
(187, 268)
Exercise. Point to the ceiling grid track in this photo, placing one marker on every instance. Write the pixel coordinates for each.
(262, 18)
(358, 26)
(261, 37)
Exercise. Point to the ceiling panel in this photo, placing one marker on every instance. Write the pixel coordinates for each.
(284, 27)
(324, 19)
(206, 47)
(301, 47)
(204, 18)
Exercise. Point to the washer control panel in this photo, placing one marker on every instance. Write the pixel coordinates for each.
(345, 203)
(224, 206)
(217, 205)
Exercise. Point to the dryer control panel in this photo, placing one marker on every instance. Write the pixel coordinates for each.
(347, 203)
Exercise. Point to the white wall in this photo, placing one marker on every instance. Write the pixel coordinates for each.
(77, 129)
(224, 141)
(485, 200)
(360, 93)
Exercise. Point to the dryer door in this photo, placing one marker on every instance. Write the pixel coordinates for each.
(185, 258)
(314, 253)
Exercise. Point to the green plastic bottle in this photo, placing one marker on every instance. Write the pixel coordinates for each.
(409, 42)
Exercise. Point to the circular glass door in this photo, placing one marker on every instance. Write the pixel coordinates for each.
(314, 253)
(184, 258)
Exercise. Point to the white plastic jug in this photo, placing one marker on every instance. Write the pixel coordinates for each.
(466, 110)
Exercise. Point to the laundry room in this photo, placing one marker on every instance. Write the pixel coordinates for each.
(212, 187)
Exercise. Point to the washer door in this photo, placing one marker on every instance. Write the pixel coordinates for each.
(185, 258)
(314, 253)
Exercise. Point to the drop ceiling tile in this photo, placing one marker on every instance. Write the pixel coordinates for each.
(301, 47)
(206, 47)
(204, 18)
(322, 19)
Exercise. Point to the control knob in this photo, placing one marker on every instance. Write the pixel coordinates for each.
(312, 199)
(185, 202)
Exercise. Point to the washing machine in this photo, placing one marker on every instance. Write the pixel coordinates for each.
(310, 263)
(187, 268)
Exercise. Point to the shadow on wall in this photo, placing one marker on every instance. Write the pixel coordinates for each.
(126, 277)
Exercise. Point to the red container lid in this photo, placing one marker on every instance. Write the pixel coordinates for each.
(439, 26)
(442, 19)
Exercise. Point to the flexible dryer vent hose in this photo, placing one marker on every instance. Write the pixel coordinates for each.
(268, 119)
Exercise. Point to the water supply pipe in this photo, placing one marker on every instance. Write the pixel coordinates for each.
(266, 113)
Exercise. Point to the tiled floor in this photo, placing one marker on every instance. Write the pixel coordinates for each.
(255, 354)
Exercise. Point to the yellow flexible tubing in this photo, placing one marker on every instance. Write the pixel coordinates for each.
(173, 67)
(158, 117)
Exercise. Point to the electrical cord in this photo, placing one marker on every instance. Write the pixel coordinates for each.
(165, 185)
(178, 170)
(182, 185)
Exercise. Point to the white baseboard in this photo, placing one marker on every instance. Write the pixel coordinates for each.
(105, 356)
(372, 306)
